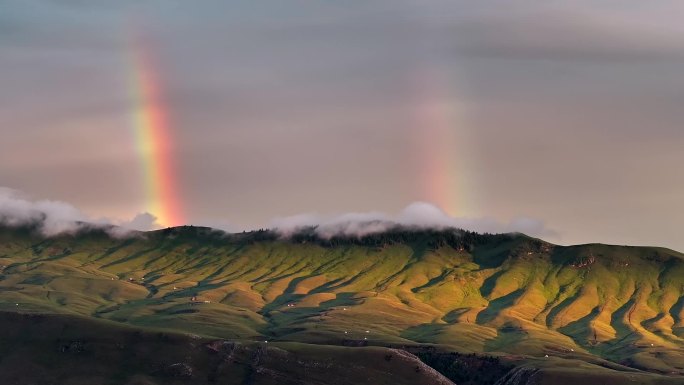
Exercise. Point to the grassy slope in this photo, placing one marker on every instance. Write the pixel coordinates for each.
(70, 350)
(511, 295)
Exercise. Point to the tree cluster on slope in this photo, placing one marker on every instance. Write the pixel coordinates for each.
(431, 238)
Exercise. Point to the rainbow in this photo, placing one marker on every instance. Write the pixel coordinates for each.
(153, 139)
(439, 139)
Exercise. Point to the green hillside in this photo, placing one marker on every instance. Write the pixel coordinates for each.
(607, 311)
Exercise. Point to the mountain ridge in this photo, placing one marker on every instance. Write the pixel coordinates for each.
(502, 294)
(303, 233)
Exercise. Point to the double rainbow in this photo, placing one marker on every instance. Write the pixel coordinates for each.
(442, 170)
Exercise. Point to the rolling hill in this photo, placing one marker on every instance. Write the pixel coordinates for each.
(606, 314)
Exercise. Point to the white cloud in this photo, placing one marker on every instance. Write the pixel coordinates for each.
(419, 215)
(142, 222)
(52, 217)
(55, 217)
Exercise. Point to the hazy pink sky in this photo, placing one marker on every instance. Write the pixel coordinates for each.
(569, 113)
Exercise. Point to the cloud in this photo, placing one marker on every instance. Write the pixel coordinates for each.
(572, 33)
(52, 217)
(419, 215)
(55, 217)
(142, 222)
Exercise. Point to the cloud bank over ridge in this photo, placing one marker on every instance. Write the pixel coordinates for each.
(56, 217)
(418, 215)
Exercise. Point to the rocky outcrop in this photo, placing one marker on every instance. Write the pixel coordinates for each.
(410, 359)
(178, 370)
(522, 375)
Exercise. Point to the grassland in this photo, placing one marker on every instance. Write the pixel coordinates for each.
(612, 312)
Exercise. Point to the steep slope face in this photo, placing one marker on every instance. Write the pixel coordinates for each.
(505, 293)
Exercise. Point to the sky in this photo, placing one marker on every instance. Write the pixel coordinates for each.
(562, 119)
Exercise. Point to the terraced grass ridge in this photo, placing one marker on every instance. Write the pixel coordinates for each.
(608, 314)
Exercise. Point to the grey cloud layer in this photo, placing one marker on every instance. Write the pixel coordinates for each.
(567, 111)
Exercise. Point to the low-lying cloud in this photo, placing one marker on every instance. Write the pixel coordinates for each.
(418, 215)
(53, 217)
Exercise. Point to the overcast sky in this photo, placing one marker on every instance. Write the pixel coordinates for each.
(570, 113)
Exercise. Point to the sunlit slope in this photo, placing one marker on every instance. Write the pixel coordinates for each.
(482, 293)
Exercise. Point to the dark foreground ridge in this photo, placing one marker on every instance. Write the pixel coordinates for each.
(263, 308)
(48, 349)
